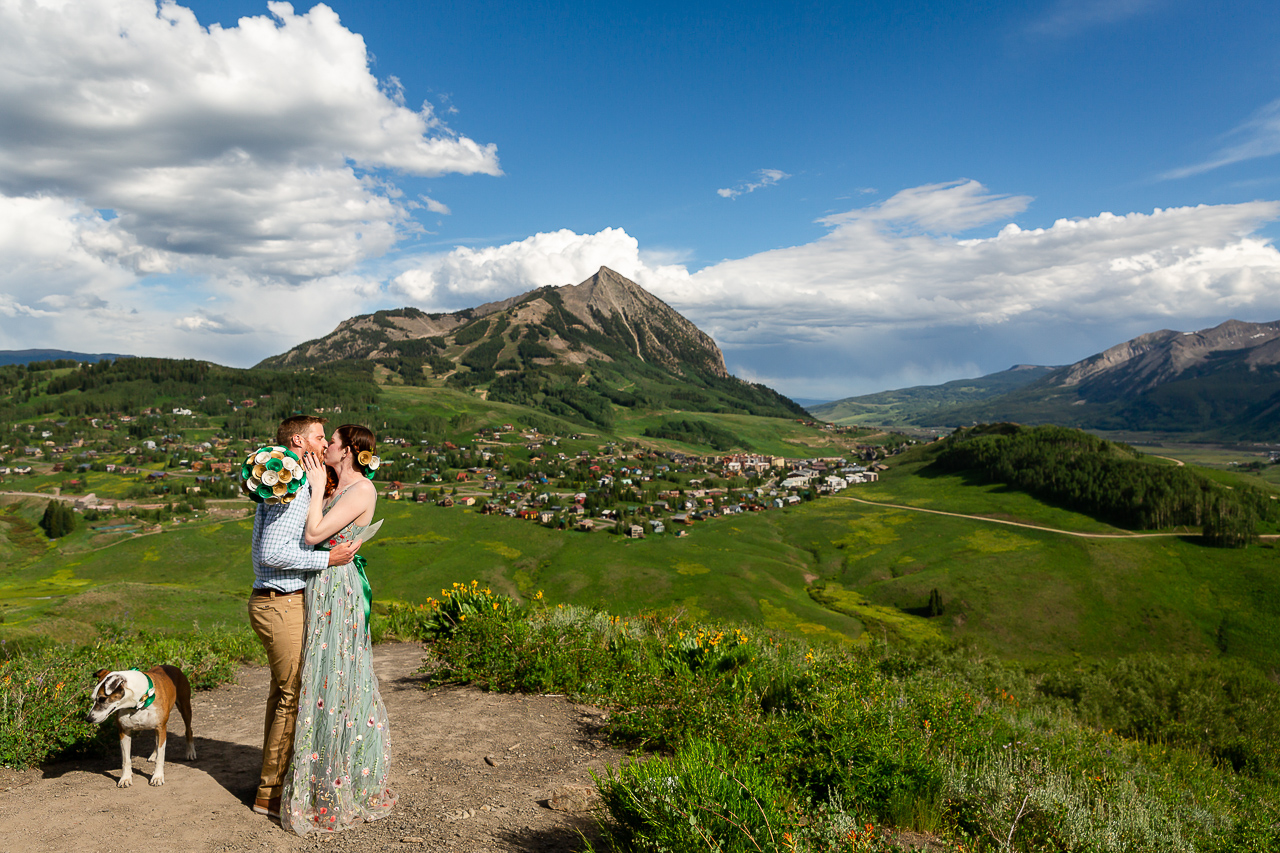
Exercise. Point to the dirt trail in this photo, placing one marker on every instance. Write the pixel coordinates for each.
(451, 797)
(1021, 523)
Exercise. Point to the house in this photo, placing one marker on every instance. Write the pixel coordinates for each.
(445, 501)
(586, 525)
(467, 501)
(635, 531)
(657, 526)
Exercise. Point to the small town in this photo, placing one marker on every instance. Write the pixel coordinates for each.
(104, 468)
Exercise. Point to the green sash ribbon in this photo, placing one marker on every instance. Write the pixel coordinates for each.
(365, 589)
(360, 562)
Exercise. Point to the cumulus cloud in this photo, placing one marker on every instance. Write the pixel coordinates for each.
(258, 148)
(1257, 137)
(889, 279)
(466, 276)
(764, 178)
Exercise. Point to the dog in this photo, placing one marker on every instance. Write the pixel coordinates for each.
(141, 701)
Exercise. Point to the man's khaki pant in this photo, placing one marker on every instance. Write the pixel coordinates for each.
(279, 622)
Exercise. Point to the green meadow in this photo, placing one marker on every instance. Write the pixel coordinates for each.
(835, 570)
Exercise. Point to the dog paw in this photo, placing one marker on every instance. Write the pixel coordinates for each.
(191, 753)
(125, 782)
(156, 781)
(152, 757)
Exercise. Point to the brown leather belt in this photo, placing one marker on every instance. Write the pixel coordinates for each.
(275, 593)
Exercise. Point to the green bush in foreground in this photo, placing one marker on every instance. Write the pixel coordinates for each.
(44, 692)
(769, 745)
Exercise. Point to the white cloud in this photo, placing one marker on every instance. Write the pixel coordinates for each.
(764, 178)
(1070, 17)
(466, 277)
(893, 264)
(1259, 137)
(948, 208)
(436, 206)
(253, 148)
(889, 279)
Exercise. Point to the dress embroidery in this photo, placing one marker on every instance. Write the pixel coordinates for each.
(341, 746)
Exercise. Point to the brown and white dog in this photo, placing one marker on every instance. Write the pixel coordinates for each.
(143, 701)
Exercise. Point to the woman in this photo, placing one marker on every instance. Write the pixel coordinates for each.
(341, 753)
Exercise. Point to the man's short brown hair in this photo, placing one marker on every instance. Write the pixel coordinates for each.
(296, 425)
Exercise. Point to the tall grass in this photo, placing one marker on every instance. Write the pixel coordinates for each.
(764, 743)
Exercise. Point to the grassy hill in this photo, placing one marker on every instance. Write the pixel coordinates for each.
(921, 405)
(864, 564)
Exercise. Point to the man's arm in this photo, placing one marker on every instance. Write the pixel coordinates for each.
(282, 541)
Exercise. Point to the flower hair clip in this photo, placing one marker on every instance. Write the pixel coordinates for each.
(272, 475)
(369, 462)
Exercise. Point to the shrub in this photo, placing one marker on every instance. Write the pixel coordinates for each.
(771, 745)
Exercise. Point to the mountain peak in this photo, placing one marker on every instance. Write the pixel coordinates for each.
(577, 322)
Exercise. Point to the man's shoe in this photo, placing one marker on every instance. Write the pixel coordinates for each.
(270, 808)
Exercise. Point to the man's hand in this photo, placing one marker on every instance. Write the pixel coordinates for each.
(342, 554)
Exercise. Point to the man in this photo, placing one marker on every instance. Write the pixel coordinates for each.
(281, 562)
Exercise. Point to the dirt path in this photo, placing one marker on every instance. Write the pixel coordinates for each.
(451, 797)
(1021, 523)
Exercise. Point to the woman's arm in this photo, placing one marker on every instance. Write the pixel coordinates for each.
(356, 503)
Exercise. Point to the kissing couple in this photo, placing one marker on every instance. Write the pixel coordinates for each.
(310, 607)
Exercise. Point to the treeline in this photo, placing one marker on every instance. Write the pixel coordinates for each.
(133, 384)
(1105, 480)
(693, 432)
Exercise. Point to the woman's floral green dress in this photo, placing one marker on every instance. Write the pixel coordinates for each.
(341, 747)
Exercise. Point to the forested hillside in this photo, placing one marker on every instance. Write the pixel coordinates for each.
(252, 401)
(1106, 480)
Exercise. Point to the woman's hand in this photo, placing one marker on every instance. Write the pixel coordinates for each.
(314, 466)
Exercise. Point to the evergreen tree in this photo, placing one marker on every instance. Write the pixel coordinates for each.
(58, 519)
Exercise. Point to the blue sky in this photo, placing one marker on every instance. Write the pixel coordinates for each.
(848, 197)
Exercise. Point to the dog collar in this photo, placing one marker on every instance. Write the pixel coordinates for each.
(148, 697)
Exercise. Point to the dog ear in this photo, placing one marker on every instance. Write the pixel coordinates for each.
(101, 674)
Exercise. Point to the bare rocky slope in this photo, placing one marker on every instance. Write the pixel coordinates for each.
(607, 305)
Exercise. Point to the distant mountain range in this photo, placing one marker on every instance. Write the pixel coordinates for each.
(573, 351)
(923, 403)
(1221, 383)
(26, 356)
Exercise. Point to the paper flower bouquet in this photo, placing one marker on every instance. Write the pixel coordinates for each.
(272, 475)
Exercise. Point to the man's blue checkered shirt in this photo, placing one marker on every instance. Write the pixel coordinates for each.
(281, 558)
